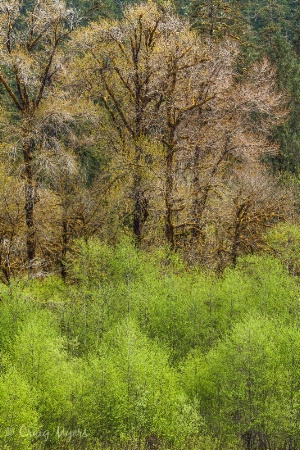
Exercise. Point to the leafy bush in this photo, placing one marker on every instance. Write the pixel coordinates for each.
(137, 352)
(38, 353)
(132, 395)
(19, 425)
(246, 386)
(284, 242)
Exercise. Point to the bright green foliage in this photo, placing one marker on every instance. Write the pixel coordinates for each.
(183, 310)
(13, 312)
(38, 353)
(139, 352)
(106, 276)
(284, 242)
(132, 395)
(260, 284)
(246, 385)
(93, 263)
(19, 426)
(194, 310)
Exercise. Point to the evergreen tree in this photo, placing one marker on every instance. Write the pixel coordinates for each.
(216, 18)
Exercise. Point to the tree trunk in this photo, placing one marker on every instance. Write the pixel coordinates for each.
(65, 242)
(140, 208)
(29, 204)
(169, 227)
(196, 204)
(199, 203)
(240, 214)
(140, 203)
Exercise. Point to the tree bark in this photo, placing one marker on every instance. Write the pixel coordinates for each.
(29, 203)
(240, 214)
(140, 208)
(169, 226)
(65, 242)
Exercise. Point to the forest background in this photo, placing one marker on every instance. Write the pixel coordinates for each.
(149, 225)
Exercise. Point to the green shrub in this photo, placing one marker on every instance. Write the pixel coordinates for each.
(284, 242)
(132, 395)
(39, 354)
(19, 425)
(246, 387)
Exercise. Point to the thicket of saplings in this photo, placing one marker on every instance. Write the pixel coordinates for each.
(136, 351)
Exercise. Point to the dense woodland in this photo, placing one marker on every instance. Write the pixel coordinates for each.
(149, 225)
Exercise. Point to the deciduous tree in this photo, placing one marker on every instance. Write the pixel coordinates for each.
(32, 58)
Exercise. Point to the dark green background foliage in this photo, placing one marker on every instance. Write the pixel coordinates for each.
(264, 27)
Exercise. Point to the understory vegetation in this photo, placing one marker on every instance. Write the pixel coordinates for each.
(137, 351)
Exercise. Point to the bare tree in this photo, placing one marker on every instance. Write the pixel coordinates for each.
(231, 136)
(32, 58)
(176, 121)
(122, 72)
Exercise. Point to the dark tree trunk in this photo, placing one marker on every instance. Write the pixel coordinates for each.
(140, 208)
(196, 204)
(240, 214)
(169, 227)
(65, 242)
(137, 210)
(201, 193)
(29, 204)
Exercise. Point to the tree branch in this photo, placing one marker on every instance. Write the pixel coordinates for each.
(11, 93)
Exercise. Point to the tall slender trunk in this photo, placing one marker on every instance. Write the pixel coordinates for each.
(140, 203)
(169, 159)
(28, 148)
(239, 216)
(65, 242)
(169, 226)
(137, 178)
(196, 203)
(137, 209)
